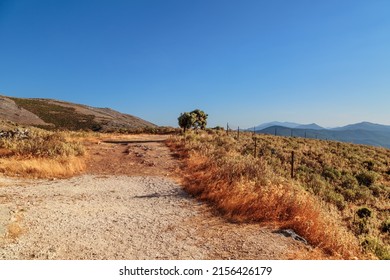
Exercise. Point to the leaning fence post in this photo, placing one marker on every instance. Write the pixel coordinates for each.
(227, 128)
(292, 164)
(238, 133)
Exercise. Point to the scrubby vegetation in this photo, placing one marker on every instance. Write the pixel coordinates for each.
(41, 153)
(160, 130)
(338, 199)
(59, 116)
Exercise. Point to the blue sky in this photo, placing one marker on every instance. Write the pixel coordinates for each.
(243, 62)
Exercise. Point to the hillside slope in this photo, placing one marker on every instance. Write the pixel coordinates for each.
(333, 194)
(55, 114)
(10, 111)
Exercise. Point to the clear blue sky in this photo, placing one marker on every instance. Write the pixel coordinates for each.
(244, 62)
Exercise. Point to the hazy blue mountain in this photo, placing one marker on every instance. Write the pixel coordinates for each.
(378, 137)
(269, 124)
(365, 126)
(310, 126)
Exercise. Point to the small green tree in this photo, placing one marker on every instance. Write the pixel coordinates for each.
(186, 120)
(195, 119)
(200, 119)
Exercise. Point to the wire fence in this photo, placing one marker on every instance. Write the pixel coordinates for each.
(235, 130)
(281, 131)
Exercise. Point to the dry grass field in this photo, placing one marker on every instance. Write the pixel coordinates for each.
(338, 199)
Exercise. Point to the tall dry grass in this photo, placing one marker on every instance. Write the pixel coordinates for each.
(42, 167)
(247, 189)
(42, 154)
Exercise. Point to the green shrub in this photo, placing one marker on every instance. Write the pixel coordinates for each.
(363, 193)
(385, 227)
(377, 190)
(331, 173)
(366, 178)
(349, 181)
(360, 227)
(369, 165)
(316, 184)
(335, 198)
(377, 247)
(364, 212)
(349, 194)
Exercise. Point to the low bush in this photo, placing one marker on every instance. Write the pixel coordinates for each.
(366, 178)
(364, 212)
(385, 227)
(349, 181)
(372, 244)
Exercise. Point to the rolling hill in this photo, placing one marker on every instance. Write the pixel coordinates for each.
(56, 114)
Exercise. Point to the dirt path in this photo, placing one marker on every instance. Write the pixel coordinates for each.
(137, 155)
(129, 206)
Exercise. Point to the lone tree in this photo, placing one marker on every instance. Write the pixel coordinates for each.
(195, 119)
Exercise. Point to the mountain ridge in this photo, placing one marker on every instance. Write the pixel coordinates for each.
(360, 125)
(357, 135)
(59, 114)
(364, 126)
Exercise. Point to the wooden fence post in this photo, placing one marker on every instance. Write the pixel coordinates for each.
(292, 164)
(238, 133)
(255, 152)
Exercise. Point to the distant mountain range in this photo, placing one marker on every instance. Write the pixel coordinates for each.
(56, 114)
(365, 133)
(288, 125)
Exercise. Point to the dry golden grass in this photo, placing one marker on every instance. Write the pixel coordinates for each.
(247, 189)
(42, 167)
(43, 154)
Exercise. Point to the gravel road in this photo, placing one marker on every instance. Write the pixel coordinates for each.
(122, 217)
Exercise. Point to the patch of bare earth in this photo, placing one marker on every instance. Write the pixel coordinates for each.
(130, 205)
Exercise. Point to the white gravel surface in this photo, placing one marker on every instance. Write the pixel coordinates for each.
(121, 217)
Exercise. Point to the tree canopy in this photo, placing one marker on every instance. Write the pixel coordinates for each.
(196, 119)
